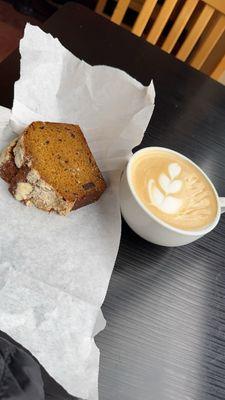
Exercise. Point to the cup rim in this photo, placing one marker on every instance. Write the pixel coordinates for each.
(149, 213)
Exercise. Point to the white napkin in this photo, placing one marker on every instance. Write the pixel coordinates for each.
(55, 271)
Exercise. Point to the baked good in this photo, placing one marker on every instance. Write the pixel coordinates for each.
(51, 167)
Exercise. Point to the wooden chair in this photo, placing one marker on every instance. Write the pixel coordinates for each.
(191, 29)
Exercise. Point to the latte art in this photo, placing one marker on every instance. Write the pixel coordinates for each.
(160, 195)
(174, 190)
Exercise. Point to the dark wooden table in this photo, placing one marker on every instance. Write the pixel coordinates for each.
(165, 338)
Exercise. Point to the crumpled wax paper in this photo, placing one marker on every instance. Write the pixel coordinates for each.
(54, 270)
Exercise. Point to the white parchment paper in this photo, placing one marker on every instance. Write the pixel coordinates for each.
(55, 271)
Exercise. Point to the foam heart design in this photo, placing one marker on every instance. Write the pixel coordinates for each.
(174, 170)
(167, 204)
(175, 186)
(169, 186)
(164, 182)
(155, 194)
(170, 205)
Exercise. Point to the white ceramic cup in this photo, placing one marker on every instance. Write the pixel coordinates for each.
(145, 223)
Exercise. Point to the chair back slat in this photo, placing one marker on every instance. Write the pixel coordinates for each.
(143, 17)
(161, 21)
(195, 32)
(219, 69)
(179, 25)
(120, 11)
(100, 6)
(209, 43)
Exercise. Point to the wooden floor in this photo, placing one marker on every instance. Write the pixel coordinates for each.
(11, 28)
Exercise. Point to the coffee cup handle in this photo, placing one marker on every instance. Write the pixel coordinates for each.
(222, 204)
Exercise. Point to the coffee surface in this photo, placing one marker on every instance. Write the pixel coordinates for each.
(174, 190)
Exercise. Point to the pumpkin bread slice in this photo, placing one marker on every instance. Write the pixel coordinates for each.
(51, 167)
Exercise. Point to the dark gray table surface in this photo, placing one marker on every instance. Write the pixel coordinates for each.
(165, 337)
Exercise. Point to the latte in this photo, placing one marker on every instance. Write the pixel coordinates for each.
(174, 190)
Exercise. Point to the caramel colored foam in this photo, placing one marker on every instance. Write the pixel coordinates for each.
(174, 190)
(60, 154)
